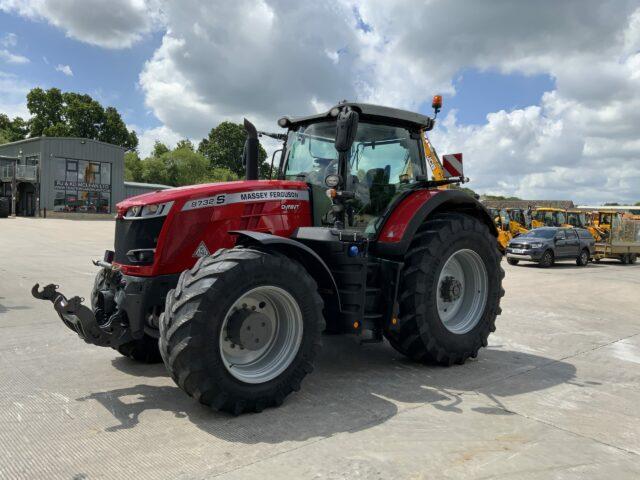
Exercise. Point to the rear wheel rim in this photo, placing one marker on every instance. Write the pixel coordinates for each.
(281, 347)
(583, 257)
(463, 287)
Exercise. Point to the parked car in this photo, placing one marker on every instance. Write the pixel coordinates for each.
(547, 245)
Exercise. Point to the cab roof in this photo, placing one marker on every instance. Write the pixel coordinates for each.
(376, 113)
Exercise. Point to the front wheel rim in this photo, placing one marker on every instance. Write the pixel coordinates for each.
(283, 317)
(463, 289)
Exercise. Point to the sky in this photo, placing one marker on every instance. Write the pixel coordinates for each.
(542, 98)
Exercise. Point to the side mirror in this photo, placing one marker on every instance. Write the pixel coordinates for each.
(346, 129)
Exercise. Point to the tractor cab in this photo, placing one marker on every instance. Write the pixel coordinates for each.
(382, 159)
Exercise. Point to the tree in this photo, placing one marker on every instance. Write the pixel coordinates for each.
(177, 167)
(637, 204)
(12, 130)
(159, 148)
(611, 204)
(45, 108)
(223, 147)
(133, 167)
(186, 143)
(72, 114)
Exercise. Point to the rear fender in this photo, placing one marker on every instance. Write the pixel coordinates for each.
(312, 262)
(406, 215)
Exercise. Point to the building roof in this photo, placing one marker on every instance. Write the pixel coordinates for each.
(564, 204)
(374, 112)
(81, 139)
(157, 186)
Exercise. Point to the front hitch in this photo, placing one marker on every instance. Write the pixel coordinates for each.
(81, 319)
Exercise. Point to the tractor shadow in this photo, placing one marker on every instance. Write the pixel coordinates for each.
(353, 388)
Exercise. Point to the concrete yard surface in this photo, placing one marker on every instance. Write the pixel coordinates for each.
(555, 395)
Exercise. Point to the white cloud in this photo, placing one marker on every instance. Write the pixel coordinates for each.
(264, 58)
(248, 58)
(65, 69)
(10, 40)
(147, 138)
(7, 56)
(13, 93)
(109, 24)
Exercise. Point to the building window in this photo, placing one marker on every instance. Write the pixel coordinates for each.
(82, 186)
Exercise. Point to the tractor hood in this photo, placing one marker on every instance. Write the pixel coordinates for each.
(181, 195)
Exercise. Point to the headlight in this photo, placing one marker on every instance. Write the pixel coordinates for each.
(149, 211)
(133, 211)
(535, 245)
(332, 180)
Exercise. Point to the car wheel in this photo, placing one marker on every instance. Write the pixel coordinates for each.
(583, 258)
(513, 261)
(547, 259)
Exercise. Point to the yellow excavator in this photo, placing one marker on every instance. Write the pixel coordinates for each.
(581, 219)
(548, 217)
(519, 222)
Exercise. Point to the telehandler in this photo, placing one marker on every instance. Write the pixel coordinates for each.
(233, 283)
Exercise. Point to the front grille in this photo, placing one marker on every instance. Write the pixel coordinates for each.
(136, 234)
(518, 245)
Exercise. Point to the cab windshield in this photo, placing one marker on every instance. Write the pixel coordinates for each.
(383, 160)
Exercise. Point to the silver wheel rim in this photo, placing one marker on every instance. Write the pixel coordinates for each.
(462, 291)
(283, 313)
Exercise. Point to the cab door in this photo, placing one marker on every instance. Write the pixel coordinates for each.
(560, 240)
(573, 243)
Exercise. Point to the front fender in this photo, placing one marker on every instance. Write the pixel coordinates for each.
(312, 262)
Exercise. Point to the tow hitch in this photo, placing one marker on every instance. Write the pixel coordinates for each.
(79, 318)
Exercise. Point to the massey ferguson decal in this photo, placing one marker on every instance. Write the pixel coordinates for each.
(243, 197)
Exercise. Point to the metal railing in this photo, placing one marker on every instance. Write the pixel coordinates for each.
(23, 172)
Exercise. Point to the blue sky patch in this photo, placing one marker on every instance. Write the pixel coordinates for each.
(481, 92)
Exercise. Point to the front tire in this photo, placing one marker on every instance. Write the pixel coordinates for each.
(513, 261)
(451, 287)
(205, 342)
(547, 260)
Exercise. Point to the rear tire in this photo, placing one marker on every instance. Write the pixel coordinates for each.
(197, 333)
(583, 258)
(513, 261)
(633, 258)
(547, 259)
(421, 333)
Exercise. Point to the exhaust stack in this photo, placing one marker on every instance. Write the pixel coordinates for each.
(250, 152)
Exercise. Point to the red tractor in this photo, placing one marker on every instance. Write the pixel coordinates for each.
(232, 284)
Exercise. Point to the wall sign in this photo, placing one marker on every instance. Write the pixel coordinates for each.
(92, 187)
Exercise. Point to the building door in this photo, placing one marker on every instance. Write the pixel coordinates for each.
(26, 201)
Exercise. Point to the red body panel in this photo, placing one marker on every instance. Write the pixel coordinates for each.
(397, 223)
(183, 230)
